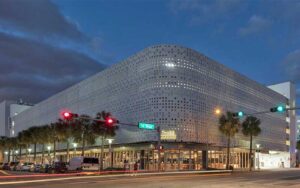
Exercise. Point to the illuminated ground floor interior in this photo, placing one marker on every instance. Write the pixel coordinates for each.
(174, 156)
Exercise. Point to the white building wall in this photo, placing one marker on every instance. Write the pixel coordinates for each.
(288, 89)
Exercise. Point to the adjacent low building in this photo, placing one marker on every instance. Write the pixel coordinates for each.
(178, 89)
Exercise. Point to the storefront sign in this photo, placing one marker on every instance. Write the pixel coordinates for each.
(168, 135)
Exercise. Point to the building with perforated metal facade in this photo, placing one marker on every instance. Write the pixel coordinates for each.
(178, 89)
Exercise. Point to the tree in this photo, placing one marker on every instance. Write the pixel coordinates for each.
(24, 140)
(65, 132)
(250, 127)
(228, 126)
(3, 144)
(83, 132)
(35, 137)
(101, 129)
(43, 137)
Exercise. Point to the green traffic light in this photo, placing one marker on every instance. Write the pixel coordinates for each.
(240, 114)
(280, 109)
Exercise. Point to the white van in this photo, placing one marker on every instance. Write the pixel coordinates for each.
(84, 163)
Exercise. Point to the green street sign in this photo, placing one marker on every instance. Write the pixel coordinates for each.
(147, 126)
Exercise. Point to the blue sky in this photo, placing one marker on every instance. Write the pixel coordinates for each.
(252, 37)
(260, 39)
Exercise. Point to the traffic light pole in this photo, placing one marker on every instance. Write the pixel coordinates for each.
(268, 111)
(127, 124)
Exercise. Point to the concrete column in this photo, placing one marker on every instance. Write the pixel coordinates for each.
(179, 157)
(204, 159)
(190, 159)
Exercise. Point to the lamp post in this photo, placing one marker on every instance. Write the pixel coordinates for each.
(110, 151)
(258, 146)
(49, 148)
(217, 112)
(75, 146)
(16, 153)
(6, 153)
(29, 150)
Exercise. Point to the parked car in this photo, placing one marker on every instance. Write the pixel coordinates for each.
(13, 165)
(83, 163)
(26, 166)
(18, 167)
(5, 166)
(58, 167)
(44, 168)
(35, 168)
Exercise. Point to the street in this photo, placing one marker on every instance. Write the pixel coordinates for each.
(274, 178)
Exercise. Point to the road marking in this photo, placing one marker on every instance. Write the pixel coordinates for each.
(3, 172)
(93, 177)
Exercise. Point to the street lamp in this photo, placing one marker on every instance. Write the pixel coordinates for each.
(75, 146)
(29, 150)
(6, 153)
(110, 151)
(258, 146)
(49, 148)
(218, 111)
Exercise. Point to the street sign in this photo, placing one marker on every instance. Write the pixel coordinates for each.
(147, 126)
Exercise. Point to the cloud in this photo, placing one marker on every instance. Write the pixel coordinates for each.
(202, 11)
(34, 71)
(41, 52)
(40, 17)
(256, 24)
(292, 65)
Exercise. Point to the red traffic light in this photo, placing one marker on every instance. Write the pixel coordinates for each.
(109, 121)
(69, 115)
(66, 115)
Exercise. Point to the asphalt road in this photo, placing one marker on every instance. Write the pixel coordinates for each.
(280, 178)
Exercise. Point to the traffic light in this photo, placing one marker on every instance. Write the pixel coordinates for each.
(279, 108)
(238, 114)
(69, 115)
(110, 122)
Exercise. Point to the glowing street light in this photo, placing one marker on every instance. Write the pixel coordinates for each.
(218, 111)
(29, 150)
(6, 152)
(258, 146)
(75, 146)
(48, 148)
(110, 151)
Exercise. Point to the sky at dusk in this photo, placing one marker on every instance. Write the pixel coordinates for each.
(46, 46)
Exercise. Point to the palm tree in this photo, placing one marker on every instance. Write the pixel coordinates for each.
(34, 132)
(228, 126)
(12, 144)
(24, 139)
(43, 138)
(3, 144)
(65, 131)
(55, 135)
(83, 132)
(102, 130)
(251, 128)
